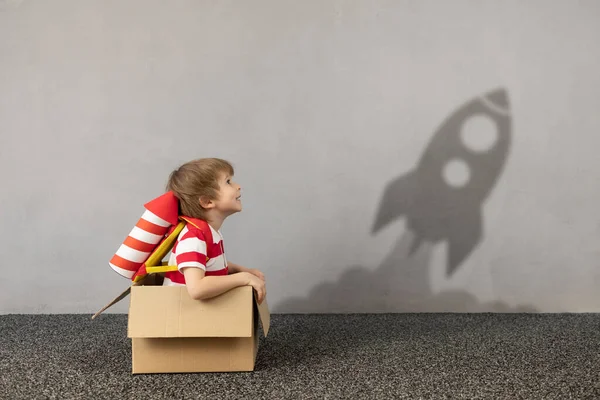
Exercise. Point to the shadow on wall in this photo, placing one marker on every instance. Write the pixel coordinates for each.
(441, 200)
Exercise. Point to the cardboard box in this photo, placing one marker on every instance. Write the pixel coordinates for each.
(171, 332)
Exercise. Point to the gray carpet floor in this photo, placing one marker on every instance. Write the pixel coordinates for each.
(382, 356)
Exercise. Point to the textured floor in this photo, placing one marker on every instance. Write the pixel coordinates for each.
(428, 356)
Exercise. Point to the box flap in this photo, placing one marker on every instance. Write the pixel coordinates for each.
(169, 311)
(264, 314)
(148, 279)
(113, 302)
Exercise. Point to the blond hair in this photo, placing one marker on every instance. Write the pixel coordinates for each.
(196, 179)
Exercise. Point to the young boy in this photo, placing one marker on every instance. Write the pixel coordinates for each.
(206, 192)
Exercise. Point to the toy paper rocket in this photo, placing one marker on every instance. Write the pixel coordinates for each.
(436, 210)
(158, 220)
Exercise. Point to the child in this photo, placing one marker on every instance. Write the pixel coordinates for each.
(206, 192)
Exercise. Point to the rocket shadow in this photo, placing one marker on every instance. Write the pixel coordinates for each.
(400, 284)
(436, 210)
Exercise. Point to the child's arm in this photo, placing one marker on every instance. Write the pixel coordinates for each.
(201, 287)
(236, 268)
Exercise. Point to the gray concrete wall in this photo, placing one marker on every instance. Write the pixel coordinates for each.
(375, 178)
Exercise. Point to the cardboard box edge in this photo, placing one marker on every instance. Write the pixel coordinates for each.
(262, 318)
(263, 308)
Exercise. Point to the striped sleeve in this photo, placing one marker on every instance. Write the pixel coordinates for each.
(191, 251)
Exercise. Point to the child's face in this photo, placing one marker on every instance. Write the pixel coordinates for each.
(229, 199)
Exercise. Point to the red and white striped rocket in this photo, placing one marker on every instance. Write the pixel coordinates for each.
(160, 217)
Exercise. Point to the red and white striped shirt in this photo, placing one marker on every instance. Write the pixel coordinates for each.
(192, 250)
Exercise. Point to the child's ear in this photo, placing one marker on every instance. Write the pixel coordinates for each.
(206, 203)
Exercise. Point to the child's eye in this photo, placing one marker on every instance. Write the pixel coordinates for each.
(229, 181)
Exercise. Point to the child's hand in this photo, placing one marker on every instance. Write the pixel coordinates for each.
(257, 273)
(258, 285)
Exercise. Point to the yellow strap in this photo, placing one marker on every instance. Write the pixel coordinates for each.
(154, 263)
(162, 250)
(161, 268)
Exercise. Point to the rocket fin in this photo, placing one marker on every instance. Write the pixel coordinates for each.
(398, 198)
